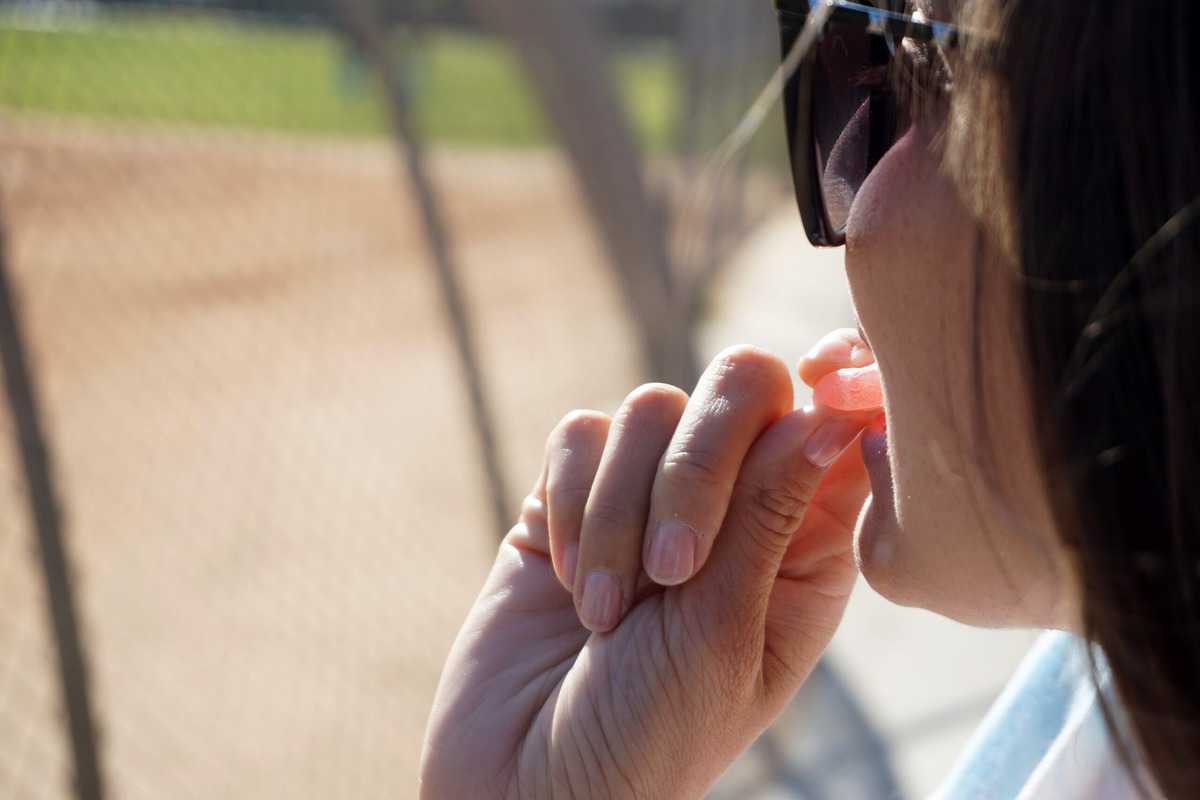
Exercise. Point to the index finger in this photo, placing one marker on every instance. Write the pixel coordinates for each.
(742, 392)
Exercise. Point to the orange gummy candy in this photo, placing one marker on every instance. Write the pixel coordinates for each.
(851, 389)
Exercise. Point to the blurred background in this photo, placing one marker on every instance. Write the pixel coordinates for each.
(293, 291)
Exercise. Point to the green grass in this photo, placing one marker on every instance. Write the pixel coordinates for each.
(213, 72)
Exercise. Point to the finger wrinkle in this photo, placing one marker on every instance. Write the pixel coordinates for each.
(717, 406)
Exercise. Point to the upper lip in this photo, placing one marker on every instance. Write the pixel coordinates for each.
(863, 334)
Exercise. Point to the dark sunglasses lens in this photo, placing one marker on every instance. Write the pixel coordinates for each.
(848, 77)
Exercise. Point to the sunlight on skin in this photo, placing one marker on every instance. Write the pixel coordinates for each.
(658, 705)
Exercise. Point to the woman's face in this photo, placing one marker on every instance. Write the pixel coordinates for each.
(958, 522)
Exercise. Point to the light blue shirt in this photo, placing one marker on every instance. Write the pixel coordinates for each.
(1045, 736)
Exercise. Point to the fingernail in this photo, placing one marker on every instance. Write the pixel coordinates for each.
(672, 553)
(570, 562)
(828, 441)
(601, 601)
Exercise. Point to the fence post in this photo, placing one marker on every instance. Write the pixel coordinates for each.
(567, 65)
(365, 27)
(45, 513)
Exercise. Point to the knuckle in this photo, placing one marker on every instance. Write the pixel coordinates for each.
(608, 515)
(692, 467)
(773, 514)
(567, 496)
(776, 510)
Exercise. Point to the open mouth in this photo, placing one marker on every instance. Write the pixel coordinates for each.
(863, 335)
(845, 378)
(842, 371)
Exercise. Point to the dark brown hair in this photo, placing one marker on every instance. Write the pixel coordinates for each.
(1075, 133)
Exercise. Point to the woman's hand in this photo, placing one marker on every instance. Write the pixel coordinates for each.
(615, 686)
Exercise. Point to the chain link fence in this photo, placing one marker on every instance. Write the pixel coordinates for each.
(269, 485)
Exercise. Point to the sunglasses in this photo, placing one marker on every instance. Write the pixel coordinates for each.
(843, 105)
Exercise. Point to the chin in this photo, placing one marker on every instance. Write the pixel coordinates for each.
(899, 576)
(876, 547)
(877, 537)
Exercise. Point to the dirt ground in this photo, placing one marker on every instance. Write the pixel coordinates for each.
(272, 492)
(272, 496)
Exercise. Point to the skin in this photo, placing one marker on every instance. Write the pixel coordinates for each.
(658, 705)
(651, 687)
(964, 529)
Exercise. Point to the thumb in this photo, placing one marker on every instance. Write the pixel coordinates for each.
(774, 492)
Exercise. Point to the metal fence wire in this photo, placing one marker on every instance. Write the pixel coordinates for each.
(269, 485)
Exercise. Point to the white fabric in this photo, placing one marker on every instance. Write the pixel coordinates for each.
(1045, 737)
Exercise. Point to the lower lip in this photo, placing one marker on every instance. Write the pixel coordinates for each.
(863, 335)
(875, 457)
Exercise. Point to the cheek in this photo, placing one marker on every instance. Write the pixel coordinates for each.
(909, 247)
(910, 259)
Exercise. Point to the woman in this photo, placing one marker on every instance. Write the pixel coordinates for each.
(1017, 197)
